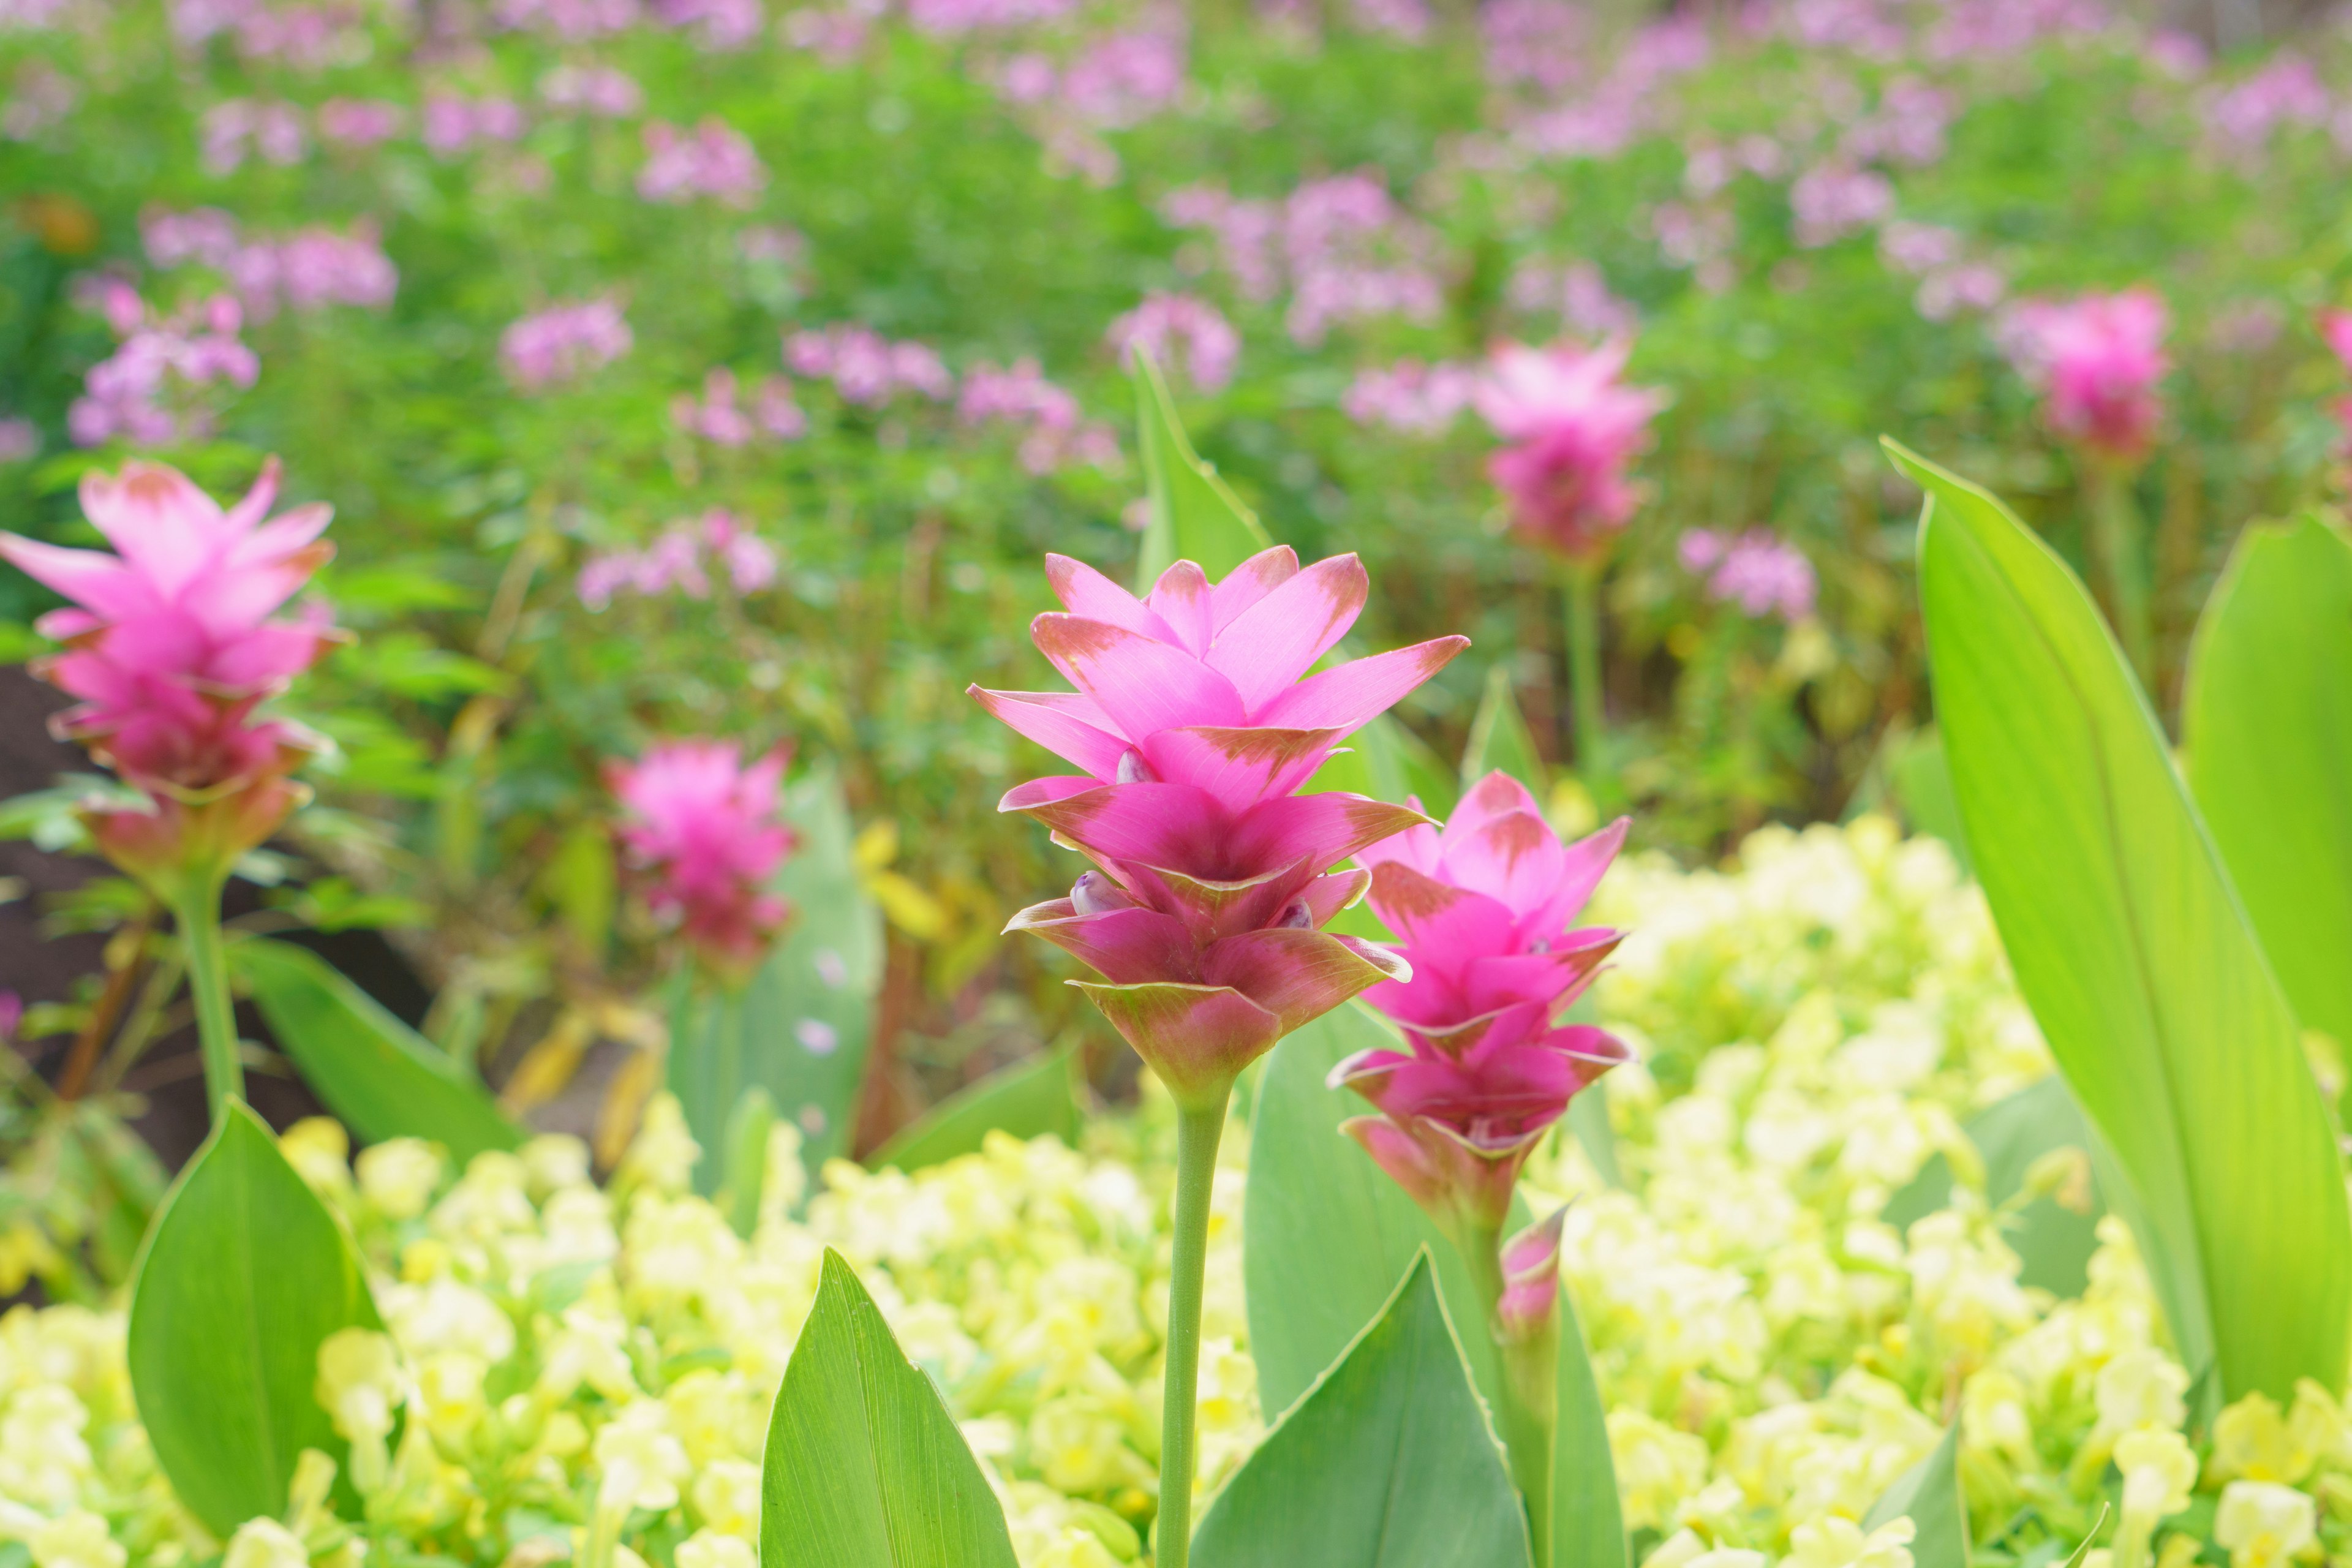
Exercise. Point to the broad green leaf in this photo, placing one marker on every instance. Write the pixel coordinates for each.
(1929, 1494)
(865, 1467)
(1027, 1100)
(2268, 726)
(801, 1027)
(746, 1166)
(1325, 1235)
(1499, 738)
(1922, 781)
(2053, 1242)
(2131, 947)
(244, 1276)
(380, 1076)
(1194, 515)
(1387, 1461)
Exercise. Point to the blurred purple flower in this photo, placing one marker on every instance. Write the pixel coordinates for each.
(1831, 200)
(1757, 570)
(564, 344)
(681, 560)
(568, 19)
(718, 25)
(452, 124)
(36, 98)
(1968, 286)
(1569, 428)
(358, 121)
(712, 160)
(866, 368)
(1181, 333)
(599, 91)
(1416, 398)
(2288, 91)
(1125, 78)
(150, 390)
(19, 439)
(1543, 43)
(242, 126)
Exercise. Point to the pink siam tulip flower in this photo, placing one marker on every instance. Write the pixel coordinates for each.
(1193, 729)
(705, 825)
(2098, 360)
(2336, 330)
(1484, 908)
(171, 646)
(1572, 427)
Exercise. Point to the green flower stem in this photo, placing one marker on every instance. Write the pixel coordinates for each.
(1199, 1130)
(1527, 1410)
(1583, 624)
(2119, 552)
(196, 912)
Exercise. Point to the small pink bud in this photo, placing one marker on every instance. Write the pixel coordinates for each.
(1530, 1300)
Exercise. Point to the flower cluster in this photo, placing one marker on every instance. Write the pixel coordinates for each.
(1023, 397)
(2335, 329)
(1181, 333)
(712, 160)
(706, 826)
(159, 384)
(2097, 359)
(682, 561)
(1757, 570)
(564, 344)
(1569, 428)
(719, 417)
(172, 646)
(304, 271)
(1194, 729)
(865, 368)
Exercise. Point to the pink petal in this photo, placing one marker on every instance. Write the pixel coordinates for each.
(1297, 975)
(1514, 857)
(1251, 580)
(1029, 797)
(1196, 1038)
(1180, 598)
(1448, 926)
(1065, 723)
(1240, 766)
(1143, 686)
(1162, 825)
(1315, 830)
(1583, 865)
(91, 578)
(1417, 846)
(1129, 946)
(1214, 908)
(1497, 795)
(1088, 593)
(1327, 896)
(1349, 696)
(161, 523)
(281, 536)
(1274, 642)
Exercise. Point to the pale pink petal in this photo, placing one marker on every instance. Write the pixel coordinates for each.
(1582, 866)
(1297, 975)
(1274, 642)
(91, 578)
(1130, 946)
(1347, 697)
(1180, 598)
(1088, 593)
(1240, 766)
(1515, 858)
(1251, 580)
(1066, 724)
(1142, 685)
(1314, 830)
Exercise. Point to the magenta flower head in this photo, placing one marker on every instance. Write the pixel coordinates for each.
(1192, 730)
(2098, 360)
(1484, 908)
(171, 645)
(1569, 428)
(706, 826)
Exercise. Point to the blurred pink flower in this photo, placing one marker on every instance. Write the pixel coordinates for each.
(1831, 200)
(1193, 728)
(600, 90)
(451, 124)
(155, 387)
(1484, 909)
(707, 827)
(1123, 79)
(866, 368)
(680, 561)
(359, 122)
(19, 439)
(1182, 334)
(1569, 428)
(2098, 360)
(170, 644)
(564, 344)
(229, 131)
(1757, 570)
(2335, 331)
(1416, 398)
(1543, 43)
(712, 160)
(2287, 92)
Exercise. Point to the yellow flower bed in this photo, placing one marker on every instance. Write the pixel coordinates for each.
(1815, 1026)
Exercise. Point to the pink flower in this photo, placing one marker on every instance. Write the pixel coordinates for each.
(1194, 727)
(712, 160)
(706, 826)
(2336, 330)
(2098, 360)
(1760, 572)
(170, 644)
(564, 344)
(1572, 427)
(1419, 399)
(1181, 333)
(1484, 908)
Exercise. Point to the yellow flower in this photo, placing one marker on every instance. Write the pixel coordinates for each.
(2159, 1471)
(2263, 1524)
(641, 1463)
(1656, 1467)
(265, 1544)
(2252, 1441)
(78, 1540)
(1836, 1542)
(708, 1549)
(399, 1177)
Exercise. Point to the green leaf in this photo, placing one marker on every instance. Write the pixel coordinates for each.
(1387, 1462)
(2268, 725)
(1194, 515)
(1499, 738)
(746, 1164)
(1325, 1235)
(801, 1027)
(1027, 1100)
(243, 1276)
(376, 1073)
(2132, 949)
(1922, 781)
(865, 1467)
(1929, 1494)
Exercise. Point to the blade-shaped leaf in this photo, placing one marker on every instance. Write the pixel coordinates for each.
(2268, 725)
(1027, 1100)
(1325, 1233)
(375, 1072)
(245, 1275)
(865, 1467)
(2132, 949)
(1499, 738)
(801, 1027)
(1387, 1462)
(1929, 1494)
(1194, 515)
(1922, 781)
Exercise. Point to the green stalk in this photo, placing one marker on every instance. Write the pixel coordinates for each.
(1527, 1409)
(1197, 1131)
(196, 910)
(2119, 561)
(1583, 624)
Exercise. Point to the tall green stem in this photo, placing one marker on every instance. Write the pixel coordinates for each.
(1527, 1409)
(196, 912)
(1584, 665)
(2118, 552)
(1197, 1131)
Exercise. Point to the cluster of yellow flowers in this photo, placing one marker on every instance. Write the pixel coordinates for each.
(583, 1373)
